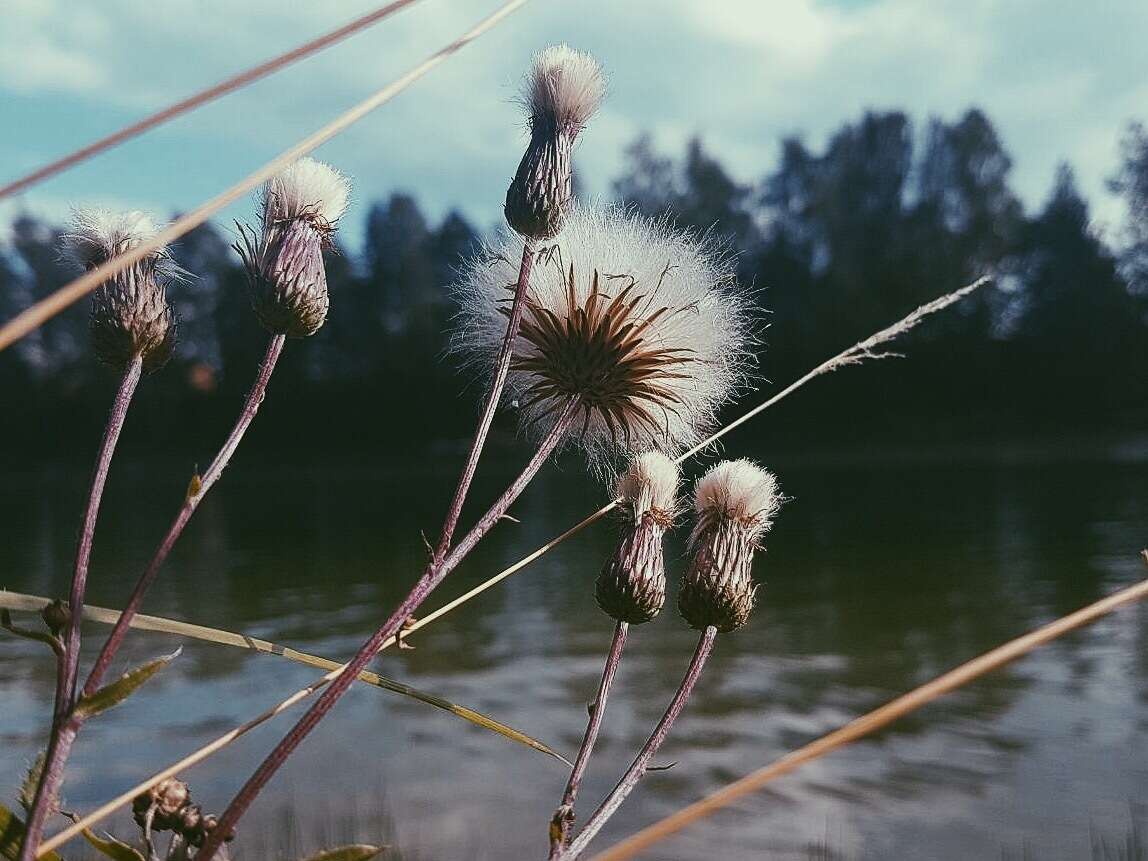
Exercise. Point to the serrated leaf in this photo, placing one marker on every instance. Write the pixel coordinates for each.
(12, 832)
(357, 852)
(113, 848)
(115, 693)
(32, 781)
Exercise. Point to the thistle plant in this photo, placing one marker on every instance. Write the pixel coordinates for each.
(735, 503)
(631, 589)
(291, 203)
(133, 328)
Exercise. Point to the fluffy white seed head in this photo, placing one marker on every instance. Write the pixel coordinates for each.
(306, 188)
(96, 235)
(737, 490)
(650, 485)
(645, 325)
(564, 88)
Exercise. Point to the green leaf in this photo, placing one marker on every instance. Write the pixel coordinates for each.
(11, 833)
(32, 781)
(357, 852)
(122, 688)
(113, 848)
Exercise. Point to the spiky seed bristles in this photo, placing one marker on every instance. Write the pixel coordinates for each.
(130, 314)
(738, 490)
(645, 325)
(564, 88)
(735, 503)
(97, 235)
(650, 486)
(306, 189)
(284, 259)
(631, 586)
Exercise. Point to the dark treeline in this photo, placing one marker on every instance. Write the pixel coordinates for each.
(836, 244)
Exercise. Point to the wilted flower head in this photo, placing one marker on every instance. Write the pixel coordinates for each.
(300, 208)
(562, 92)
(735, 503)
(632, 585)
(130, 313)
(161, 807)
(644, 326)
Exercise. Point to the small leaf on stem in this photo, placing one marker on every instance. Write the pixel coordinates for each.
(11, 833)
(110, 847)
(115, 693)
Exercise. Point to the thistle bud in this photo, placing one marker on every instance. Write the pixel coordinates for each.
(300, 208)
(56, 616)
(165, 802)
(563, 91)
(735, 503)
(632, 585)
(130, 313)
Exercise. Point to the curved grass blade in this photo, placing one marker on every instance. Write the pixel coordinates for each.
(34, 603)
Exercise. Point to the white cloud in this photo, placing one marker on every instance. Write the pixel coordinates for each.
(1059, 80)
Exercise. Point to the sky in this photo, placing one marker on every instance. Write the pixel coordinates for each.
(1060, 80)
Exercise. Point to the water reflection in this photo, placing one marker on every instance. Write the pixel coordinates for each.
(879, 576)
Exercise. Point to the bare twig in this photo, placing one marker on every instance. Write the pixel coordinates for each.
(641, 762)
(44, 310)
(873, 721)
(563, 818)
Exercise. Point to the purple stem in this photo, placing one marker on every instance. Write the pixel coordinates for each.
(191, 502)
(638, 768)
(67, 666)
(563, 817)
(66, 730)
(501, 370)
(430, 579)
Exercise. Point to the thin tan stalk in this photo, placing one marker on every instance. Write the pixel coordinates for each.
(44, 310)
(224, 87)
(873, 721)
(853, 355)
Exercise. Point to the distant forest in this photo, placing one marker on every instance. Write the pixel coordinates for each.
(835, 245)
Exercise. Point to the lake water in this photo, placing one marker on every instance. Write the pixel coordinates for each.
(884, 570)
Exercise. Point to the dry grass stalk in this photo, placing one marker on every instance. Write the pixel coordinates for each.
(36, 315)
(873, 721)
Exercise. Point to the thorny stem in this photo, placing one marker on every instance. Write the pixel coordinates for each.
(501, 370)
(195, 495)
(68, 726)
(638, 768)
(68, 662)
(563, 817)
(430, 579)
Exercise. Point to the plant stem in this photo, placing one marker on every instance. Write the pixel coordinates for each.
(67, 663)
(563, 817)
(638, 768)
(501, 370)
(430, 579)
(195, 495)
(67, 727)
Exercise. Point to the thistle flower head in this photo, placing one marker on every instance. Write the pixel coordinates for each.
(650, 486)
(632, 584)
(564, 88)
(130, 313)
(735, 503)
(162, 805)
(644, 326)
(300, 208)
(562, 92)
